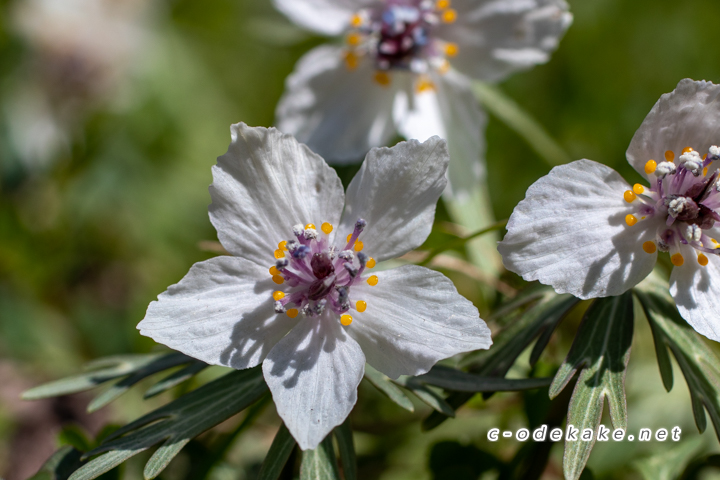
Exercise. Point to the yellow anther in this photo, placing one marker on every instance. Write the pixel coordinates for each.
(346, 319)
(705, 172)
(638, 189)
(351, 61)
(372, 281)
(356, 20)
(283, 245)
(714, 241)
(669, 155)
(649, 247)
(278, 295)
(371, 263)
(309, 226)
(278, 279)
(449, 15)
(629, 196)
(705, 157)
(686, 150)
(442, 4)
(326, 228)
(650, 166)
(292, 313)
(274, 271)
(353, 39)
(677, 260)
(424, 85)
(360, 306)
(382, 78)
(451, 49)
(702, 260)
(349, 237)
(630, 220)
(444, 67)
(358, 245)
(279, 253)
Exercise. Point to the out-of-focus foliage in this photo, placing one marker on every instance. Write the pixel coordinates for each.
(106, 144)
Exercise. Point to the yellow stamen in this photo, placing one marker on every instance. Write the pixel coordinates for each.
(669, 155)
(638, 189)
(283, 245)
(358, 245)
(360, 306)
(382, 78)
(705, 157)
(274, 271)
(326, 228)
(278, 295)
(349, 237)
(356, 20)
(650, 166)
(649, 247)
(449, 15)
(702, 260)
(424, 85)
(451, 49)
(442, 4)
(292, 313)
(677, 260)
(353, 39)
(372, 281)
(346, 319)
(310, 225)
(279, 253)
(629, 196)
(705, 172)
(630, 220)
(444, 67)
(714, 241)
(686, 150)
(371, 263)
(351, 61)
(278, 279)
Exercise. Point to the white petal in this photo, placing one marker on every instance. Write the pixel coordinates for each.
(570, 232)
(313, 374)
(396, 191)
(696, 290)
(338, 112)
(689, 116)
(329, 17)
(265, 184)
(498, 37)
(414, 318)
(221, 312)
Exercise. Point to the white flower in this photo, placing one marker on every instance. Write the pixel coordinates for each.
(585, 231)
(312, 308)
(406, 67)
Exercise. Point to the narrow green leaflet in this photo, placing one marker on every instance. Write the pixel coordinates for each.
(278, 455)
(429, 396)
(699, 364)
(320, 464)
(459, 381)
(669, 464)
(383, 383)
(106, 369)
(348, 460)
(176, 423)
(60, 465)
(176, 378)
(601, 352)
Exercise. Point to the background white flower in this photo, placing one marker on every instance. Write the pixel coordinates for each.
(585, 231)
(297, 294)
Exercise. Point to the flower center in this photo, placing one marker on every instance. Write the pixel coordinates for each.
(399, 35)
(687, 199)
(318, 275)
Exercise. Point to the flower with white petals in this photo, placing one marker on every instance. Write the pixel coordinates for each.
(406, 67)
(300, 293)
(585, 231)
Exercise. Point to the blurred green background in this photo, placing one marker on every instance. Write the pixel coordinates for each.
(109, 126)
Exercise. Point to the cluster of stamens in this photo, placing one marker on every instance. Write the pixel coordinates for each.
(318, 275)
(399, 36)
(686, 197)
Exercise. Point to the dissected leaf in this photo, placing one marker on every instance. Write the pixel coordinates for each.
(699, 364)
(459, 381)
(669, 464)
(429, 396)
(600, 351)
(278, 455)
(320, 464)
(60, 465)
(383, 383)
(346, 447)
(176, 423)
(176, 378)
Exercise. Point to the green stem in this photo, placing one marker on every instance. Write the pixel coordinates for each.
(460, 242)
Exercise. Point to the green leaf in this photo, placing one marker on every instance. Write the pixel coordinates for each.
(278, 455)
(348, 460)
(60, 465)
(320, 464)
(106, 369)
(601, 352)
(669, 464)
(459, 381)
(385, 385)
(176, 423)
(699, 364)
(429, 396)
(176, 378)
(510, 113)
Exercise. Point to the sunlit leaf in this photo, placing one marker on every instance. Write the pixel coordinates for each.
(383, 383)
(320, 464)
(600, 352)
(429, 396)
(669, 464)
(176, 378)
(278, 455)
